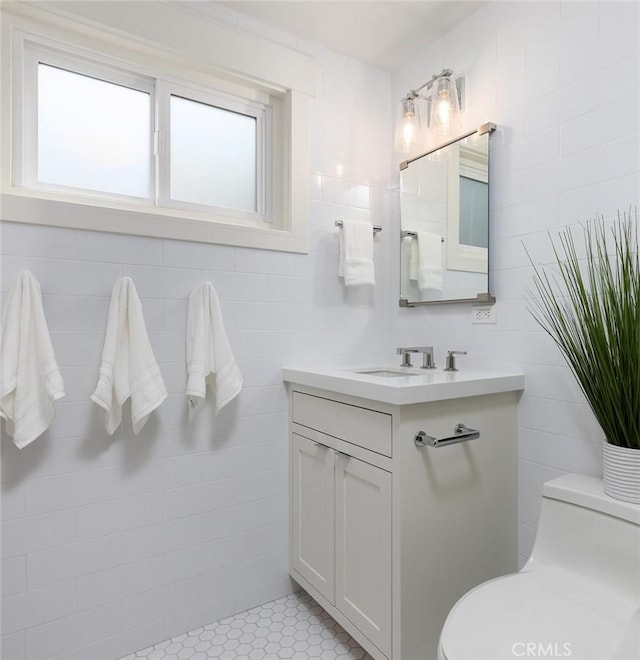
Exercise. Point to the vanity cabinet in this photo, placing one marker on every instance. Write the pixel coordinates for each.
(387, 536)
(341, 527)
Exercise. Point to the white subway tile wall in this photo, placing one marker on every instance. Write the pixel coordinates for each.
(111, 544)
(561, 81)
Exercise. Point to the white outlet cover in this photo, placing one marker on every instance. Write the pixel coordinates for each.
(483, 314)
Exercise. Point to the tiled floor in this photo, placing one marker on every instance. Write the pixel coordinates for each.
(293, 627)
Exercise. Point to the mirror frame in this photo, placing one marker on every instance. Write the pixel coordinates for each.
(481, 298)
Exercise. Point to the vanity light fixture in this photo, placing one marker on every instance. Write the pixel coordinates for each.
(435, 105)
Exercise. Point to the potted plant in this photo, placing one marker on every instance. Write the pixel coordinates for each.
(591, 309)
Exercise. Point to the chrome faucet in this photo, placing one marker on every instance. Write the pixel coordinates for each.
(427, 356)
(428, 361)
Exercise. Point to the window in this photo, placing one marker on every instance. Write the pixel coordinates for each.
(468, 206)
(474, 212)
(96, 130)
(207, 140)
(210, 143)
(214, 156)
(91, 134)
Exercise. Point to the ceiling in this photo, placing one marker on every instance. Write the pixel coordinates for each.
(383, 34)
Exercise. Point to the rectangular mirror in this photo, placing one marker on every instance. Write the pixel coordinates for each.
(444, 222)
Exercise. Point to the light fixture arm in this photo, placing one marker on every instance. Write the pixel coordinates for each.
(414, 93)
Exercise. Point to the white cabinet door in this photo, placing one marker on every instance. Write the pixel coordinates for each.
(363, 548)
(313, 513)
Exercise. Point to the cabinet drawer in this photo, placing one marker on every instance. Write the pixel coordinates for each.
(366, 428)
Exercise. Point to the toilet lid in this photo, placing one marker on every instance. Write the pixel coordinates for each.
(542, 613)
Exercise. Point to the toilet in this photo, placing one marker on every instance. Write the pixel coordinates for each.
(578, 595)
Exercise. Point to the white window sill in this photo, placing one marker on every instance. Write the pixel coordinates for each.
(17, 206)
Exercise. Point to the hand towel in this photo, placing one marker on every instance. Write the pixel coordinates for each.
(30, 380)
(356, 253)
(430, 266)
(209, 357)
(413, 258)
(128, 368)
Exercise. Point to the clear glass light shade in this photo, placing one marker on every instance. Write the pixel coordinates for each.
(445, 108)
(410, 136)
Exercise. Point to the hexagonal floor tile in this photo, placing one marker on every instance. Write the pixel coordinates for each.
(294, 627)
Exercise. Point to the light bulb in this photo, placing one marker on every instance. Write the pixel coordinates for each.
(409, 135)
(444, 106)
(444, 111)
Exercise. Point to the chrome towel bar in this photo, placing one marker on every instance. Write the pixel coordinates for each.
(460, 434)
(376, 228)
(413, 234)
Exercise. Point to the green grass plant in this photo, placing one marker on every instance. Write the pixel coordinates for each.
(591, 309)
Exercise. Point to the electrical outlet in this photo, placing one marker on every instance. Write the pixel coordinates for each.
(483, 314)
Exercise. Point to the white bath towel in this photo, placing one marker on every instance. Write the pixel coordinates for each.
(30, 380)
(209, 357)
(128, 368)
(430, 265)
(355, 262)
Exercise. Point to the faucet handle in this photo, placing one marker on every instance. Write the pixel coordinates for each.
(451, 360)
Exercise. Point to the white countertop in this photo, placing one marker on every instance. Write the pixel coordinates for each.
(411, 385)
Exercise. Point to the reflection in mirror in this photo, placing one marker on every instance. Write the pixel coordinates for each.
(444, 208)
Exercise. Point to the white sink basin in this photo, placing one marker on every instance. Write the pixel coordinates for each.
(386, 373)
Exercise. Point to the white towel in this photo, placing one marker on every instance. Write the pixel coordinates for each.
(430, 266)
(209, 357)
(30, 380)
(413, 258)
(356, 253)
(128, 368)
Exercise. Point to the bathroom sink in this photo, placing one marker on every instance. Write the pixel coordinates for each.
(386, 373)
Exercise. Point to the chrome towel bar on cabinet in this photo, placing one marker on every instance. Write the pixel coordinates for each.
(460, 434)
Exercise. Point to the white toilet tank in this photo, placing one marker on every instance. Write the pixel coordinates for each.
(585, 531)
(578, 595)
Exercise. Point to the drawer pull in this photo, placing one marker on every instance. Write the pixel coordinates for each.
(460, 434)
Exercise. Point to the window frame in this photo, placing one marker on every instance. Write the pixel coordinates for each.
(462, 257)
(205, 49)
(159, 139)
(259, 111)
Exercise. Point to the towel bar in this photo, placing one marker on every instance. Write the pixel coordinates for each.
(413, 234)
(460, 434)
(376, 228)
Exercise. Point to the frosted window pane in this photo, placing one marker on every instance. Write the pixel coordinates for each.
(213, 156)
(474, 212)
(92, 134)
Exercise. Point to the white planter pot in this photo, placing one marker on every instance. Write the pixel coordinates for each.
(621, 472)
